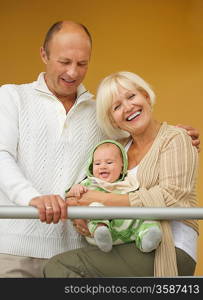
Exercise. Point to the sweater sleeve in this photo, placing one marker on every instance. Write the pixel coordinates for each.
(12, 181)
(177, 176)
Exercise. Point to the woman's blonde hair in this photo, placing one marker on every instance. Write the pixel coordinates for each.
(106, 92)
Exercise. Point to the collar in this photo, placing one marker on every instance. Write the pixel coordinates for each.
(40, 85)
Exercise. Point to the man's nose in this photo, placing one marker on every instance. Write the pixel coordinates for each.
(72, 71)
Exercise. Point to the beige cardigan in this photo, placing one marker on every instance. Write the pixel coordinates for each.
(167, 176)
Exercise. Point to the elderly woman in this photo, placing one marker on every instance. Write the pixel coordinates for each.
(165, 163)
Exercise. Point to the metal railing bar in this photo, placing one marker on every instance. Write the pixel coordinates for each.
(108, 212)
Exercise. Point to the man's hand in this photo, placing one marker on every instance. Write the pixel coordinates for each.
(52, 208)
(193, 133)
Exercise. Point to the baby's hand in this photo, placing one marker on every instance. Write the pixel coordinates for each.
(77, 190)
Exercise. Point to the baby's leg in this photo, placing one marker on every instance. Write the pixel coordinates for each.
(100, 232)
(148, 235)
(103, 237)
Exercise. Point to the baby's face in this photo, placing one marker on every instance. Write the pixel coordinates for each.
(107, 162)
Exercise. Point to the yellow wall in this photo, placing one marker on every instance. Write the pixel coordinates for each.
(161, 40)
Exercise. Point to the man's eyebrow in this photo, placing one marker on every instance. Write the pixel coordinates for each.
(64, 58)
(68, 59)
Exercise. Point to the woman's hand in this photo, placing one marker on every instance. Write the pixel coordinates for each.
(81, 226)
(85, 199)
(90, 196)
(107, 199)
(193, 133)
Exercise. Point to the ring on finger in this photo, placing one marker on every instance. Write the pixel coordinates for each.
(48, 207)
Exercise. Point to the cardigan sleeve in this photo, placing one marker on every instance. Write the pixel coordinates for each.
(12, 181)
(178, 163)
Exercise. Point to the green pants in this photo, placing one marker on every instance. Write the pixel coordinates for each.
(123, 261)
(124, 231)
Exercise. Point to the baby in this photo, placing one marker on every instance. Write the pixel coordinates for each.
(107, 172)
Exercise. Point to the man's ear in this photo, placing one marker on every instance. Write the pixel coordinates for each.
(43, 55)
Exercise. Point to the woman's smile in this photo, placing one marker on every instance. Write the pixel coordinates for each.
(134, 115)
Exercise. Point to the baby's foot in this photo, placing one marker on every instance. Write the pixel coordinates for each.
(103, 238)
(148, 236)
(151, 239)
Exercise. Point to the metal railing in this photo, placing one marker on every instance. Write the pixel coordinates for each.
(108, 212)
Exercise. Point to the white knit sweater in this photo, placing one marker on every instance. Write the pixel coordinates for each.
(42, 151)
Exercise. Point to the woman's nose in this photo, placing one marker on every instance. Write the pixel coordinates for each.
(127, 105)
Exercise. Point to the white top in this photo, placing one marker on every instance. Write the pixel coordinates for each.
(43, 151)
(184, 236)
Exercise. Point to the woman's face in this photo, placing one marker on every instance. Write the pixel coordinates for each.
(131, 110)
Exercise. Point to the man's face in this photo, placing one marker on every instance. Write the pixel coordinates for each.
(66, 63)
